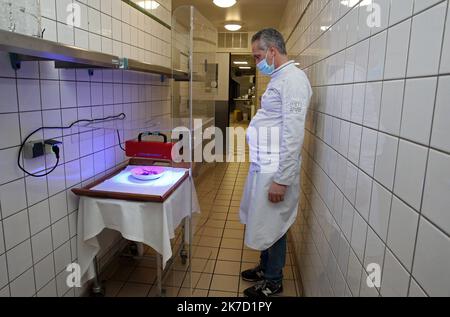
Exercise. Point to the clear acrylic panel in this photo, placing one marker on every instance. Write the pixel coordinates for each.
(194, 46)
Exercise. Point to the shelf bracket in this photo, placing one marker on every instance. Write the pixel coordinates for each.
(15, 61)
(91, 72)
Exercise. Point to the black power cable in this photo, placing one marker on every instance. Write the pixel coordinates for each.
(120, 142)
(55, 148)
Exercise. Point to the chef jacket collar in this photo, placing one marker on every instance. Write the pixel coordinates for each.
(282, 68)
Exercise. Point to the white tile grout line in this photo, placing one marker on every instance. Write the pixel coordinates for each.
(345, 275)
(376, 146)
(397, 155)
(6, 254)
(357, 42)
(48, 227)
(428, 159)
(400, 138)
(15, 78)
(375, 180)
(299, 20)
(369, 226)
(110, 16)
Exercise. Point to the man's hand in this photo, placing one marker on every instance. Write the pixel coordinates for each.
(277, 193)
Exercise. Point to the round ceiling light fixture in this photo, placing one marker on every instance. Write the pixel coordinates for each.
(352, 3)
(233, 27)
(224, 3)
(148, 4)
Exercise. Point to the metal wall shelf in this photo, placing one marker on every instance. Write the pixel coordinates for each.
(134, 65)
(24, 48)
(28, 48)
(179, 75)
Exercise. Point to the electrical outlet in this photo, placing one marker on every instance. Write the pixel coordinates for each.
(33, 149)
(48, 149)
(49, 146)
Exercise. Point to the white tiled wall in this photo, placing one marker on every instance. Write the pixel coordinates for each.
(111, 26)
(38, 216)
(376, 160)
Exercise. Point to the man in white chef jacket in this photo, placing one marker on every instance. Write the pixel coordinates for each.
(275, 137)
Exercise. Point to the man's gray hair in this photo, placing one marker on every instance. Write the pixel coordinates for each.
(270, 37)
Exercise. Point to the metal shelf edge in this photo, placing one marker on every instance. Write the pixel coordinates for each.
(27, 48)
(134, 65)
(37, 48)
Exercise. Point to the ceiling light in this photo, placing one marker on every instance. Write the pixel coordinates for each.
(352, 3)
(297, 64)
(324, 28)
(240, 63)
(233, 27)
(245, 67)
(148, 4)
(224, 3)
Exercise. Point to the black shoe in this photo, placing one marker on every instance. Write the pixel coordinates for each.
(253, 275)
(264, 289)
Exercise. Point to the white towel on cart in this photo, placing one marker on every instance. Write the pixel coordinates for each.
(152, 224)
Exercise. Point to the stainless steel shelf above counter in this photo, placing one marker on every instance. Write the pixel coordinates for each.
(24, 48)
(179, 75)
(134, 65)
(28, 48)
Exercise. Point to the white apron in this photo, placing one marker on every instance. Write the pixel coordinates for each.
(284, 107)
(266, 222)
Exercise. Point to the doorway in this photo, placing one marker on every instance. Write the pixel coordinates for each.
(242, 91)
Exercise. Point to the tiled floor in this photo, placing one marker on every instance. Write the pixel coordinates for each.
(219, 254)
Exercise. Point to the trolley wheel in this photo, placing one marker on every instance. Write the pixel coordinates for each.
(134, 249)
(98, 292)
(184, 257)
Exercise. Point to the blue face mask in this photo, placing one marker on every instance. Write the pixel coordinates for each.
(265, 68)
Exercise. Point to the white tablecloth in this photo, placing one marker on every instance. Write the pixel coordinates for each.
(153, 224)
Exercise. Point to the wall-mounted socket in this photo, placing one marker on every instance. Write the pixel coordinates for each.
(33, 149)
(49, 146)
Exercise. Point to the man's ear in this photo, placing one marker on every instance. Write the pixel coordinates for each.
(274, 51)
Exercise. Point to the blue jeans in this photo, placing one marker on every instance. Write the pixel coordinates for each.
(273, 261)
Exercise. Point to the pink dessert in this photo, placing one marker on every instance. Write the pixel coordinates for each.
(148, 171)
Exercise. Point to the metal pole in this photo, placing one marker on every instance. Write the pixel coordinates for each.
(159, 272)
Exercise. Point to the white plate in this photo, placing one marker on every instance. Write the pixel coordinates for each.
(139, 174)
(147, 177)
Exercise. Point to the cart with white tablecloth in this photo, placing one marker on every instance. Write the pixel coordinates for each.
(146, 212)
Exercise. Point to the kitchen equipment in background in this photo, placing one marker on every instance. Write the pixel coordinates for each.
(238, 116)
(145, 149)
(212, 77)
